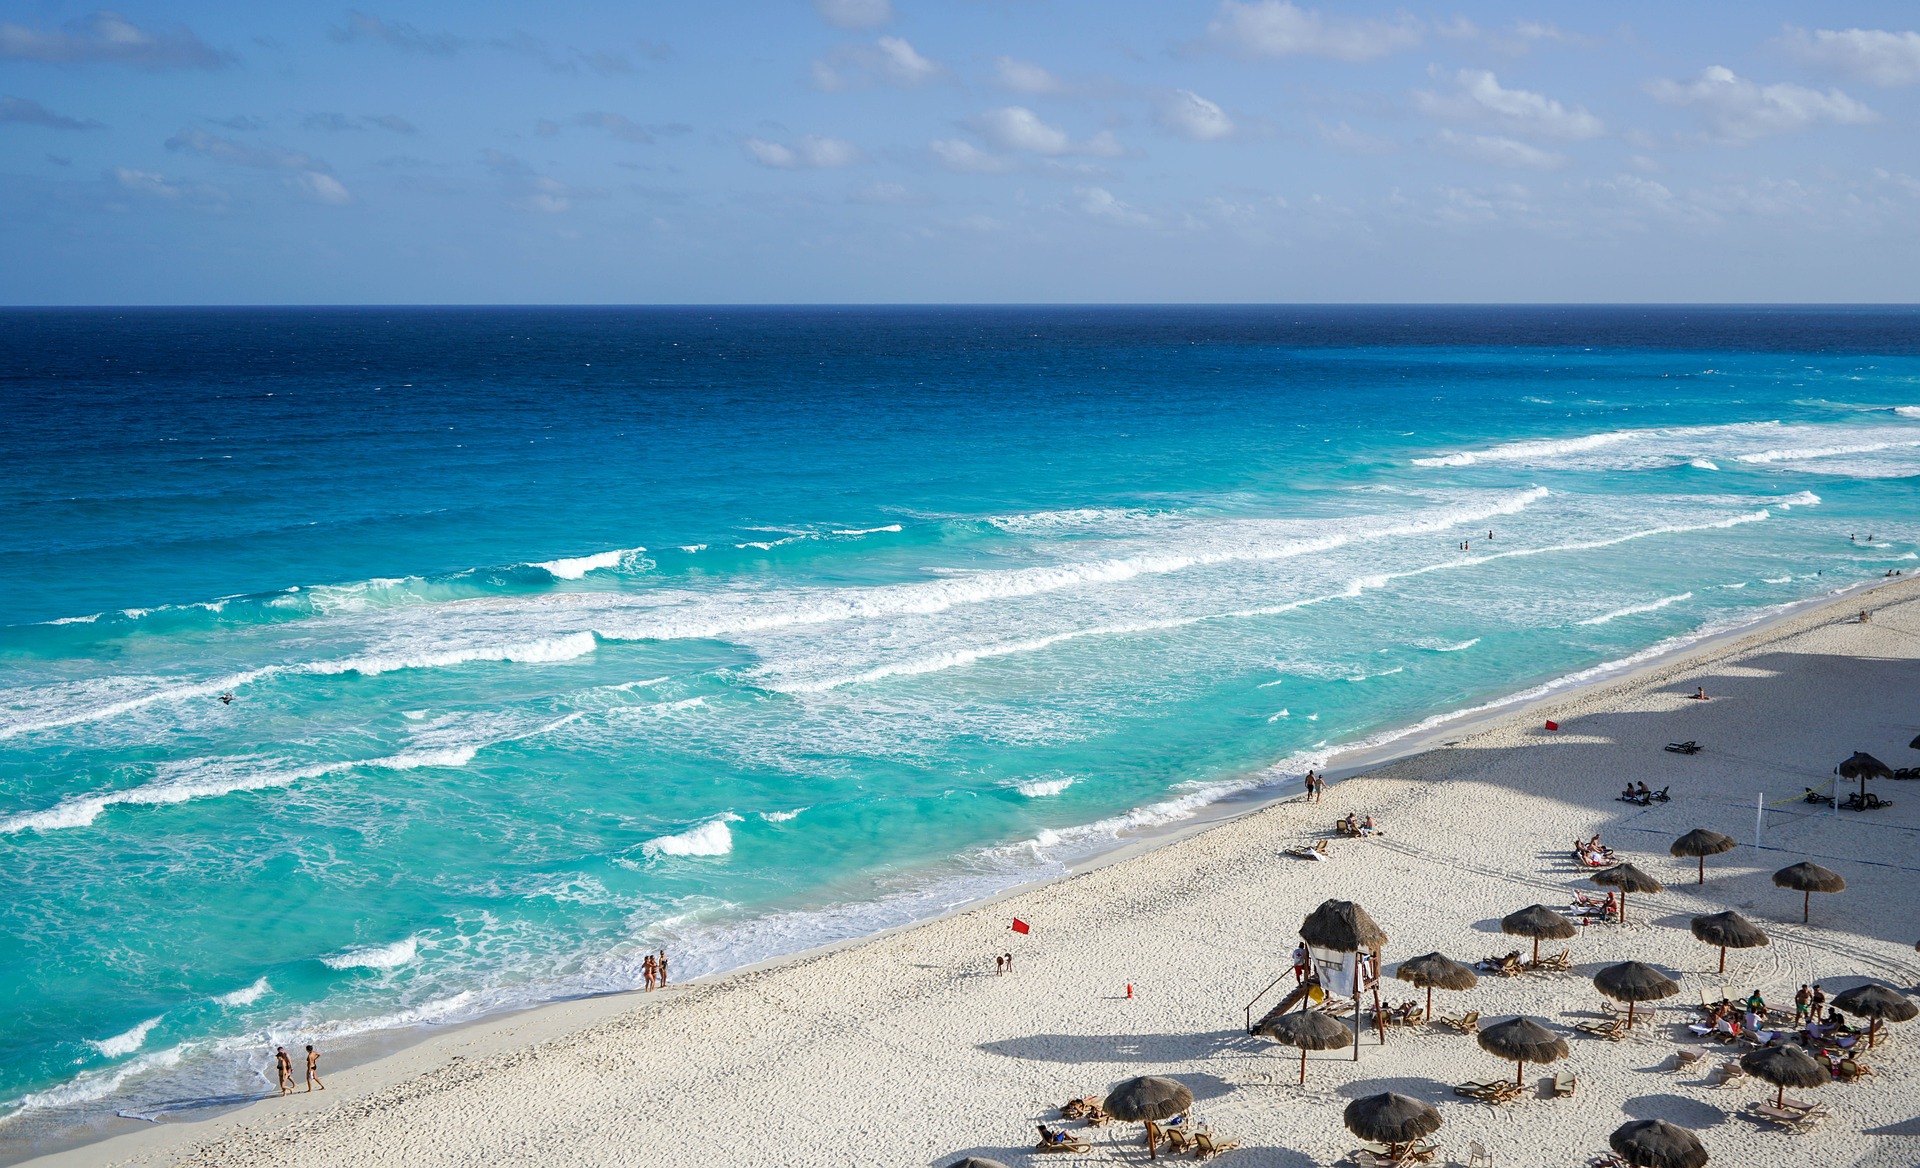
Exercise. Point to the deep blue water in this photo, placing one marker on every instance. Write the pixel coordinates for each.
(555, 635)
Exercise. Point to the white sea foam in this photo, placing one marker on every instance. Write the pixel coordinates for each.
(74, 620)
(1269, 684)
(391, 956)
(867, 530)
(1633, 609)
(544, 650)
(1907, 411)
(712, 838)
(1071, 517)
(1777, 580)
(1536, 449)
(1455, 648)
(124, 1044)
(1042, 788)
(245, 995)
(1277, 715)
(1703, 463)
(1811, 453)
(1382, 673)
(96, 1085)
(578, 566)
(782, 816)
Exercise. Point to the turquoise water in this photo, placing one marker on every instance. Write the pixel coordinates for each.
(559, 636)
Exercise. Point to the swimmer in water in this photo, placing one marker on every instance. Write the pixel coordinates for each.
(226, 699)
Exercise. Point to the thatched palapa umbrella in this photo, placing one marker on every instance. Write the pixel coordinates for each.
(1522, 1041)
(1809, 878)
(1864, 766)
(1878, 1003)
(1626, 878)
(1392, 1120)
(1436, 971)
(1701, 843)
(1915, 744)
(1148, 1099)
(1633, 983)
(1539, 922)
(1784, 1066)
(1308, 1030)
(1729, 930)
(1655, 1143)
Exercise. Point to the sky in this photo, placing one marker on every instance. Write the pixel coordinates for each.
(964, 151)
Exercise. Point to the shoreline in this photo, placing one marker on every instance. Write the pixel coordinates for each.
(388, 1060)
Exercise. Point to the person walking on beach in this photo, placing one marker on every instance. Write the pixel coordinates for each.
(1008, 958)
(313, 1070)
(1801, 1001)
(999, 965)
(661, 968)
(283, 1067)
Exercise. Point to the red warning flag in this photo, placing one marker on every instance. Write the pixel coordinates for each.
(1020, 926)
(1553, 725)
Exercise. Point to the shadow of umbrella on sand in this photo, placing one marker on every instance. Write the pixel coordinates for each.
(1436, 971)
(976, 1162)
(1729, 930)
(1626, 878)
(1809, 878)
(1539, 922)
(1632, 982)
(1784, 1066)
(1522, 1041)
(1655, 1143)
(1699, 844)
(1392, 1120)
(1308, 1030)
(1148, 1099)
(1878, 1003)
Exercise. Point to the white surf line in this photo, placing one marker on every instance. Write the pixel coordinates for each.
(1356, 588)
(1635, 609)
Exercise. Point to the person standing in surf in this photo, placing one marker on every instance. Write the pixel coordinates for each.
(647, 970)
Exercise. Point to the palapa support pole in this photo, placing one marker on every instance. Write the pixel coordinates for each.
(1519, 1073)
(1723, 959)
(1806, 906)
(1303, 1066)
(1703, 871)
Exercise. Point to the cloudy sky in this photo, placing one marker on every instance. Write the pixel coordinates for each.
(187, 151)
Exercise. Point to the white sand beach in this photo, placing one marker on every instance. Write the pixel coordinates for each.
(908, 1049)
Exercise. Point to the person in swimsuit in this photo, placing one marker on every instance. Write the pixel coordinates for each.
(283, 1067)
(313, 1070)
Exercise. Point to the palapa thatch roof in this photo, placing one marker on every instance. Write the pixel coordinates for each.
(976, 1162)
(1809, 877)
(1655, 1143)
(1437, 971)
(1785, 1065)
(1701, 842)
(1149, 1097)
(1522, 1040)
(1343, 926)
(1729, 929)
(1626, 878)
(1539, 922)
(1876, 1002)
(1864, 766)
(1391, 1119)
(1308, 1030)
(1631, 981)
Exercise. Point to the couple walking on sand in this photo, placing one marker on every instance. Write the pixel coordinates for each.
(283, 1064)
(654, 969)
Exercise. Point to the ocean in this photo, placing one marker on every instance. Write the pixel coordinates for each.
(557, 636)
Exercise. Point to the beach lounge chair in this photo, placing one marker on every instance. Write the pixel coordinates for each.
(1506, 966)
(1562, 960)
(1612, 1029)
(1563, 1084)
(1314, 851)
(1467, 1023)
(1204, 1145)
(1065, 1143)
(1731, 1072)
(1804, 1106)
(1686, 1057)
(1494, 1092)
(1787, 1117)
(1478, 1156)
(1688, 747)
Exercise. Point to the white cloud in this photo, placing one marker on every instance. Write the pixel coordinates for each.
(1277, 28)
(1345, 137)
(1019, 129)
(108, 38)
(1741, 110)
(158, 186)
(889, 59)
(809, 153)
(1498, 151)
(902, 65)
(1100, 203)
(239, 153)
(1025, 77)
(1866, 54)
(963, 156)
(854, 13)
(321, 188)
(547, 196)
(1189, 115)
(1481, 98)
